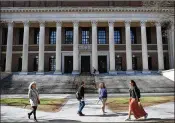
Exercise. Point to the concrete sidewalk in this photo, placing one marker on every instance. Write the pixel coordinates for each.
(68, 113)
(72, 96)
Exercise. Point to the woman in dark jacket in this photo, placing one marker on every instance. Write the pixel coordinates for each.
(134, 103)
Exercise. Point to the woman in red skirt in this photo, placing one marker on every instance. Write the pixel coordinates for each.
(134, 103)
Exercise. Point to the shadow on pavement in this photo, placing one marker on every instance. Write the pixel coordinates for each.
(156, 120)
(62, 121)
(109, 115)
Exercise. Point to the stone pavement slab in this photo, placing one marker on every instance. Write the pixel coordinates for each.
(92, 110)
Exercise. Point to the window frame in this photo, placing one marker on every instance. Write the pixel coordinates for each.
(21, 35)
(52, 63)
(71, 36)
(101, 36)
(52, 36)
(85, 36)
(36, 35)
(118, 63)
(133, 35)
(119, 39)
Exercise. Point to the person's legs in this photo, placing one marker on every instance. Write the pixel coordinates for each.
(34, 112)
(82, 104)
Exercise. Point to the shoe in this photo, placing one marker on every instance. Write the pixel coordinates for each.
(145, 117)
(81, 114)
(29, 115)
(128, 119)
(35, 120)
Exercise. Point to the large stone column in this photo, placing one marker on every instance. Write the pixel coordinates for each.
(171, 44)
(8, 65)
(128, 48)
(25, 48)
(58, 48)
(111, 48)
(41, 48)
(144, 48)
(94, 47)
(159, 46)
(75, 48)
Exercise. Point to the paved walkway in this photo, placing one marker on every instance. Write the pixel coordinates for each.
(87, 95)
(92, 111)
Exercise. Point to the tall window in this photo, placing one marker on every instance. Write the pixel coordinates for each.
(35, 65)
(68, 36)
(164, 36)
(19, 64)
(134, 63)
(118, 63)
(148, 35)
(150, 63)
(36, 36)
(101, 36)
(4, 36)
(52, 36)
(52, 64)
(133, 35)
(21, 35)
(85, 36)
(117, 36)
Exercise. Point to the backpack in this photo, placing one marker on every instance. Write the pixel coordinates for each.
(77, 94)
(104, 93)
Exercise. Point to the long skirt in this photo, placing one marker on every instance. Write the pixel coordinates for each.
(136, 108)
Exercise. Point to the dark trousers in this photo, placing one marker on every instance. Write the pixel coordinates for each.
(33, 111)
(81, 106)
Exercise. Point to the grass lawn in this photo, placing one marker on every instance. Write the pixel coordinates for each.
(47, 105)
(121, 104)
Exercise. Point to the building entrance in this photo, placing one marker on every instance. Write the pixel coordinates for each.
(68, 64)
(102, 64)
(85, 64)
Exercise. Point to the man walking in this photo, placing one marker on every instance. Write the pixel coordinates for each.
(80, 97)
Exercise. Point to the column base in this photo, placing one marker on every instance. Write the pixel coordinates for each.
(146, 72)
(130, 72)
(75, 72)
(112, 72)
(39, 73)
(57, 72)
(23, 73)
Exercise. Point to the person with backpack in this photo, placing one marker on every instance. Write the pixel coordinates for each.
(80, 97)
(134, 103)
(103, 95)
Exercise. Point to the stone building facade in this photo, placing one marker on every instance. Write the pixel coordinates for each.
(75, 37)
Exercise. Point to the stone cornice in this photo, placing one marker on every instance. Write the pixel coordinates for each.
(83, 9)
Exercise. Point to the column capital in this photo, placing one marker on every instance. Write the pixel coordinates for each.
(10, 23)
(42, 23)
(76, 23)
(111, 23)
(143, 22)
(58, 23)
(127, 23)
(158, 23)
(94, 22)
(26, 23)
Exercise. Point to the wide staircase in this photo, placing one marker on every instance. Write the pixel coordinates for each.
(68, 84)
